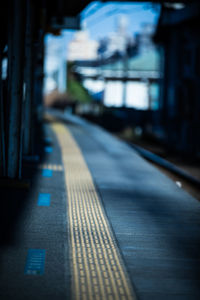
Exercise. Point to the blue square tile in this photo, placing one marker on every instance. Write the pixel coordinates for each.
(35, 262)
(47, 173)
(44, 199)
(48, 149)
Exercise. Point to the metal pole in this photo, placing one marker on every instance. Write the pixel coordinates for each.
(105, 84)
(149, 95)
(125, 65)
(16, 45)
(28, 147)
(2, 127)
(39, 77)
(124, 92)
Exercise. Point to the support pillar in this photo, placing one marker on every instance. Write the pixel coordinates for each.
(16, 75)
(149, 95)
(29, 79)
(124, 94)
(2, 127)
(39, 74)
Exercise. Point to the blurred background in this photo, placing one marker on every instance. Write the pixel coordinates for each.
(132, 68)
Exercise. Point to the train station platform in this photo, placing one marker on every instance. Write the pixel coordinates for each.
(98, 222)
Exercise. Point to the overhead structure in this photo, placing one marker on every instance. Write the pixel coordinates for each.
(23, 26)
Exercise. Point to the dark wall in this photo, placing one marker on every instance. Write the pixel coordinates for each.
(181, 87)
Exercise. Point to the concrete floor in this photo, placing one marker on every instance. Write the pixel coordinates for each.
(156, 224)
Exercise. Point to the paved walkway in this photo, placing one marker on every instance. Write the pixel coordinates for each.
(99, 223)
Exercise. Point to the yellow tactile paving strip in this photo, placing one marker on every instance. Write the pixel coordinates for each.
(98, 271)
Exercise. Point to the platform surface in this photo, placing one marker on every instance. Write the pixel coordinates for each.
(151, 225)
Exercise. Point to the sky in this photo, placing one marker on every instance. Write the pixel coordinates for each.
(100, 19)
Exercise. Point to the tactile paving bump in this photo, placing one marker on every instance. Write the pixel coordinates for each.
(98, 271)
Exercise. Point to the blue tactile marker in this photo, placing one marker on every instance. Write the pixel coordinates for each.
(35, 262)
(47, 173)
(48, 149)
(44, 199)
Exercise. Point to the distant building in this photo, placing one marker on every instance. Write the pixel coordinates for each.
(55, 65)
(116, 42)
(136, 80)
(144, 39)
(124, 75)
(82, 47)
(131, 83)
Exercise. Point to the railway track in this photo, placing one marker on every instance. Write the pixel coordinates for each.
(182, 178)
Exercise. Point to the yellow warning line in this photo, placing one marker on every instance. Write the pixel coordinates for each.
(98, 271)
